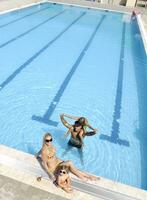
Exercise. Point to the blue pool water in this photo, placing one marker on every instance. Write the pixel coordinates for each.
(60, 59)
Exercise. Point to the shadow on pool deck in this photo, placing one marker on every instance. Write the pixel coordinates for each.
(141, 81)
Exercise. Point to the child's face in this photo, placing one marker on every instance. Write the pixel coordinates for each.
(62, 172)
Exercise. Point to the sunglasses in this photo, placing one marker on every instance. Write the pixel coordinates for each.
(50, 140)
(62, 172)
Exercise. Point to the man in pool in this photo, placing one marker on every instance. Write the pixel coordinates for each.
(78, 131)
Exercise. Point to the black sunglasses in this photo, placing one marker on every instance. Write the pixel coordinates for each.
(62, 172)
(50, 140)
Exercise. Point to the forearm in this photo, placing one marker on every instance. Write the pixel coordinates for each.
(91, 127)
(95, 130)
(67, 133)
(51, 175)
(65, 123)
(71, 116)
(65, 189)
(69, 181)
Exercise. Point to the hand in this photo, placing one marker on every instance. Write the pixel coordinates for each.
(95, 130)
(39, 178)
(82, 145)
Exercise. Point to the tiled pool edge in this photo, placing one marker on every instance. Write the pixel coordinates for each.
(108, 185)
(142, 31)
(89, 4)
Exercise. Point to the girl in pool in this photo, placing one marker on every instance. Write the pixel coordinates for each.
(78, 131)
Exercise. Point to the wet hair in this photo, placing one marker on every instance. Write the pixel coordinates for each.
(81, 121)
(44, 137)
(77, 124)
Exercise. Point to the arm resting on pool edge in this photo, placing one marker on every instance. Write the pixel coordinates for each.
(44, 165)
(51, 175)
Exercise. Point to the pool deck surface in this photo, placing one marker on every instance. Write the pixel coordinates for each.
(18, 179)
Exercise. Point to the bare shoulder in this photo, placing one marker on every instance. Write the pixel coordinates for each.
(71, 128)
(44, 151)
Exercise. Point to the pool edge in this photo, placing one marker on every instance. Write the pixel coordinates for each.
(112, 188)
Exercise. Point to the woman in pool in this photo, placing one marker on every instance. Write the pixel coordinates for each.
(78, 131)
(51, 163)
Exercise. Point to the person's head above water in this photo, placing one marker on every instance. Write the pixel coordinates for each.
(47, 138)
(82, 121)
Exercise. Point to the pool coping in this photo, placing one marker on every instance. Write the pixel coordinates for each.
(21, 7)
(24, 167)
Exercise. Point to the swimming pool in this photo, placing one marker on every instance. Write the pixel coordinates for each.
(64, 59)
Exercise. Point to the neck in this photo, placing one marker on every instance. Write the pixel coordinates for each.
(48, 145)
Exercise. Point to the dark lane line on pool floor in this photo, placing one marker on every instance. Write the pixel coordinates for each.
(32, 58)
(46, 117)
(32, 29)
(114, 138)
(28, 15)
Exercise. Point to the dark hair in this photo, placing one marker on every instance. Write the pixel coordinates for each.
(77, 124)
(81, 121)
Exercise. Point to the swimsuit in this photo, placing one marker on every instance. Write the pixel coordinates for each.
(75, 142)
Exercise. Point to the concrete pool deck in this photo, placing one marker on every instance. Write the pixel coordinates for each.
(19, 170)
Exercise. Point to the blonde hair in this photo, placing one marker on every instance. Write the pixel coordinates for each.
(47, 134)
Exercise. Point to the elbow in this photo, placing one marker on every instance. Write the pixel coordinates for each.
(61, 116)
